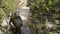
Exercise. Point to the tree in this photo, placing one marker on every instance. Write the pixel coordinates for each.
(42, 10)
(7, 7)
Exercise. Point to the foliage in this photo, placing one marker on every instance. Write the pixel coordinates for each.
(1, 14)
(44, 9)
(7, 7)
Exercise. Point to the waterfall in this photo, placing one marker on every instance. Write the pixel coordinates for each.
(24, 11)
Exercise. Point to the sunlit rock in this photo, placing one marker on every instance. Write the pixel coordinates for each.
(48, 25)
(56, 22)
(4, 23)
